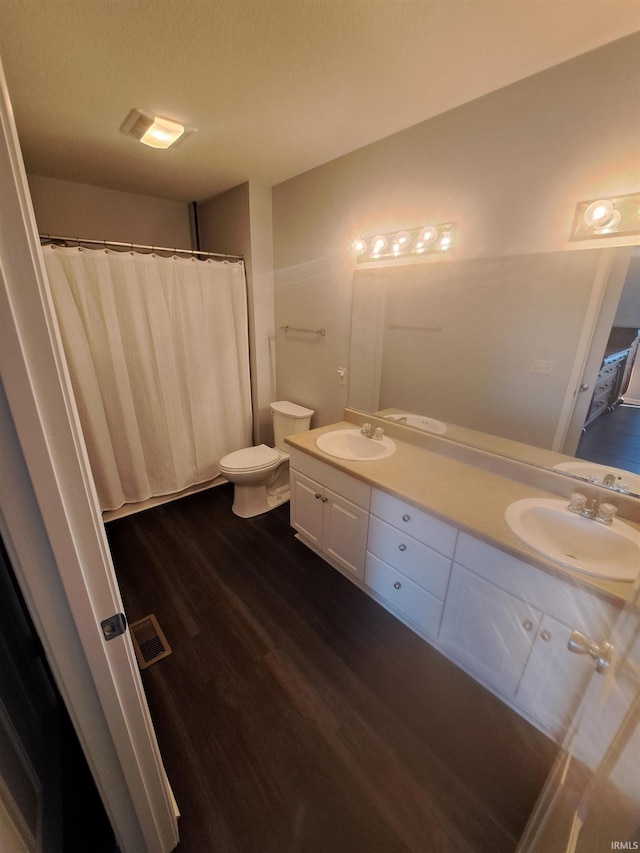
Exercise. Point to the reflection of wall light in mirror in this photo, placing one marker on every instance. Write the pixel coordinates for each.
(155, 131)
(429, 239)
(607, 217)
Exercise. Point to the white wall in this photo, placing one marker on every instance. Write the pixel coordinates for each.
(239, 222)
(68, 209)
(628, 313)
(508, 168)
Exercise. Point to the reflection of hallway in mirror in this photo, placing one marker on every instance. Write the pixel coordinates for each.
(614, 439)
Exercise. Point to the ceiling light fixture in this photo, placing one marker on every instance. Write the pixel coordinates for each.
(606, 217)
(429, 239)
(155, 131)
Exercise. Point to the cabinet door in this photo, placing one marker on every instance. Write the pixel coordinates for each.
(306, 507)
(553, 678)
(345, 532)
(487, 629)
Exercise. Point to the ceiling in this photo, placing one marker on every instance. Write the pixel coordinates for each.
(275, 87)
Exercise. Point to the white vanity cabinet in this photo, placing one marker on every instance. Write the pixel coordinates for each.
(553, 679)
(330, 512)
(409, 555)
(505, 622)
(488, 630)
(508, 624)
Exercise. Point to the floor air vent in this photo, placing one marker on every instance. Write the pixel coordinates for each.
(149, 642)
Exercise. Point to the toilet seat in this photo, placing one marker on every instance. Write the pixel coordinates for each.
(251, 459)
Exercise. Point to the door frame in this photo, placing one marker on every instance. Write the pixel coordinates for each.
(52, 527)
(603, 302)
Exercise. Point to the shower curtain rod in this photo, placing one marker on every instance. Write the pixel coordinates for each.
(48, 238)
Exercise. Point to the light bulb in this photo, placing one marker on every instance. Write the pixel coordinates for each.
(599, 214)
(429, 235)
(445, 240)
(359, 246)
(402, 240)
(162, 133)
(379, 243)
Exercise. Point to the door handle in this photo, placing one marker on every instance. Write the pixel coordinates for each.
(583, 387)
(601, 653)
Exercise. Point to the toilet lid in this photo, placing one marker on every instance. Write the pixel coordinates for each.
(252, 458)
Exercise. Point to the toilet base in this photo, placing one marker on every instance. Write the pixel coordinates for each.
(249, 501)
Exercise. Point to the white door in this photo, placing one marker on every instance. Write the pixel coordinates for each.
(591, 801)
(345, 532)
(52, 528)
(603, 302)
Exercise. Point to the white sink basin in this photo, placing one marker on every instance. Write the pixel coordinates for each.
(418, 422)
(582, 544)
(625, 481)
(351, 444)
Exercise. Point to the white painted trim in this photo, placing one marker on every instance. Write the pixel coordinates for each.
(594, 306)
(51, 524)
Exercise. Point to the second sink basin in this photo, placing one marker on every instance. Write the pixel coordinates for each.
(351, 444)
(601, 550)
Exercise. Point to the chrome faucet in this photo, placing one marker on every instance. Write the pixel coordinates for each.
(370, 432)
(602, 512)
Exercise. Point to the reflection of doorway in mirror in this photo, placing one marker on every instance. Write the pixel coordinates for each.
(612, 428)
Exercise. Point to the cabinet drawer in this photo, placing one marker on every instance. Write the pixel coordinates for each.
(427, 529)
(352, 489)
(422, 564)
(403, 595)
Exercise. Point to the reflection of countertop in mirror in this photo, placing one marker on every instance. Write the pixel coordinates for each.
(495, 444)
(471, 497)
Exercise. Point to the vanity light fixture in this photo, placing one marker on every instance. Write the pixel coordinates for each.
(606, 217)
(155, 131)
(429, 239)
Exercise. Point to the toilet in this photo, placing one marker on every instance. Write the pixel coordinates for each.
(260, 474)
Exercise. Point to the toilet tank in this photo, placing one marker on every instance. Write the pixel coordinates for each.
(288, 419)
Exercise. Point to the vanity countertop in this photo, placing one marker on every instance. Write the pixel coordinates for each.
(469, 497)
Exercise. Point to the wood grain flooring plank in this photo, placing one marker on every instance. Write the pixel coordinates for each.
(295, 714)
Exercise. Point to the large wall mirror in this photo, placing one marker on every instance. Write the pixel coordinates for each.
(493, 352)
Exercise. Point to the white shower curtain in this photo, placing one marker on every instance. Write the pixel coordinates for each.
(158, 354)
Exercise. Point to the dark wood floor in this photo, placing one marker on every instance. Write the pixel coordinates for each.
(295, 715)
(614, 439)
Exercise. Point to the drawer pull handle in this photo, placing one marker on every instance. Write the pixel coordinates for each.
(545, 635)
(527, 624)
(406, 517)
(402, 547)
(397, 585)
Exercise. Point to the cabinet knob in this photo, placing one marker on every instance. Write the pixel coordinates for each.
(324, 500)
(397, 585)
(545, 635)
(402, 547)
(406, 517)
(527, 624)
(318, 495)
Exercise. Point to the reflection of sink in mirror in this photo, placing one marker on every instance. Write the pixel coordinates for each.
(451, 339)
(418, 421)
(351, 444)
(547, 526)
(624, 481)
